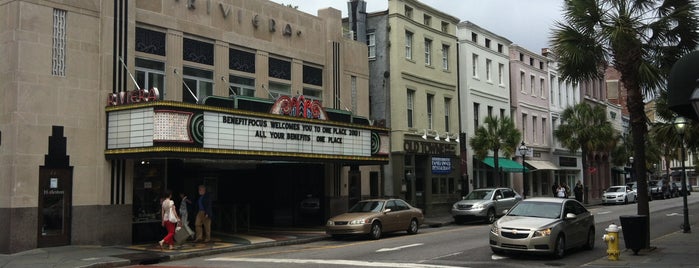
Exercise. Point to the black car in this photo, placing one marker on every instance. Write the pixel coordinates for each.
(659, 189)
(675, 188)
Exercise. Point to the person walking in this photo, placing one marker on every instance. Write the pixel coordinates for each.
(184, 213)
(561, 191)
(169, 220)
(202, 223)
(554, 189)
(578, 191)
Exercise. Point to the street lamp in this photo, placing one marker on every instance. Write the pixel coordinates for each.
(523, 152)
(631, 162)
(680, 125)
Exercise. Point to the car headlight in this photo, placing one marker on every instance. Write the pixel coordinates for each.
(330, 223)
(620, 195)
(543, 232)
(494, 228)
(477, 206)
(357, 222)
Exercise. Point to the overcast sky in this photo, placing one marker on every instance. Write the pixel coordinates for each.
(524, 22)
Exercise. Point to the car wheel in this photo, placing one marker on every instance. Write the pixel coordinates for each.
(413, 228)
(458, 220)
(590, 245)
(560, 248)
(375, 232)
(490, 216)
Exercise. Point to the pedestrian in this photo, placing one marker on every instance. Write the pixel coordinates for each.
(554, 189)
(561, 191)
(169, 220)
(184, 213)
(578, 191)
(202, 223)
(567, 189)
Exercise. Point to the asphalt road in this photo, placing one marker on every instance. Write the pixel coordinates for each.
(449, 246)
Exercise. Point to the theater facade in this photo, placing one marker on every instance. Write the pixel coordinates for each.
(107, 104)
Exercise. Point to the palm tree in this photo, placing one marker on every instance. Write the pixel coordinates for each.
(585, 128)
(639, 38)
(495, 135)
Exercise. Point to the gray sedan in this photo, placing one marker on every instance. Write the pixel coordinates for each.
(544, 225)
(486, 203)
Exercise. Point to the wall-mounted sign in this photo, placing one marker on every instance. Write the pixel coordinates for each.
(425, 147)
(130, 128)
(441, 165)
(299, 107)
(134, 96)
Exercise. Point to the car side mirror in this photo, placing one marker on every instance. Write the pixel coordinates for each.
(498, 197)
(571, 216)
(387, 210)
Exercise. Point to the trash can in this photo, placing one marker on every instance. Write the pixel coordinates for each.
(635, 230)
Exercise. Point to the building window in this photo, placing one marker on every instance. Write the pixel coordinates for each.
(445, 27)
(476, 114)
(428, 52)
(430, 104)
(541, 65)
(502, 113)
(243, 61)
(410, 107)
(534, 118)
(542, 83)
(408, 45)
(487, 43)
(521, 57)
(198, 83)
(531, 61)
(277, 89)
(149, 41)
(279, 68)
(532, 83)
(543, 131)
(524, 127)
(490, 110)
(474, 38)
(427, 20)
(198, 51)
(58, 57)
(151, 74)
(312, 75)
(447, 112)
(521, 81)
(313, 94)
(474, 62)
(488, 66)
(445, 57)
(409, 12)
(242, 86)
(500, 48)
(371, 44)
(501, 74)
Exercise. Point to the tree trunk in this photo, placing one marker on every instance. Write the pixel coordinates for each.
(586, 177)
(496, 168)
(638, 131)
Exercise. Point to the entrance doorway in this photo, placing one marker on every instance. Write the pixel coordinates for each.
(55, 203)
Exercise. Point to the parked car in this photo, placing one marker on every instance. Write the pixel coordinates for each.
(634, 186)
(486, 204)
(374, 217)
(659, 189)
(543, 225)
(675, 188)
(622, 194)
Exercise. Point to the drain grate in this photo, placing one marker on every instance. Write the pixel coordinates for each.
(142, 258)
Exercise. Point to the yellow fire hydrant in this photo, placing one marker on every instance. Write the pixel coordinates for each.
(612, 239)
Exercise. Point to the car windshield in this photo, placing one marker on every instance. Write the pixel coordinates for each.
(367, 206)
(479, 195)
(653, 183)
(616, 190)
(537, 209)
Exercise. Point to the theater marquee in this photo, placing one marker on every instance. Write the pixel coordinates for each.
(163, 126)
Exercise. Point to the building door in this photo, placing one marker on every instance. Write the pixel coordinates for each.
(55, 203)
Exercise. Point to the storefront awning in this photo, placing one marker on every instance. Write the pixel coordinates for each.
(542, 165)
(506, 165)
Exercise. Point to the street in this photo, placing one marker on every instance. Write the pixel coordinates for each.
(449, 246)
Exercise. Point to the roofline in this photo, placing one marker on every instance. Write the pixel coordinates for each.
(481, 29)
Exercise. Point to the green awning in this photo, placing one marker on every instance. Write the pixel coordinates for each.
(506, 165)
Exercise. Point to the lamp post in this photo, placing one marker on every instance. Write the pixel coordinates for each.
(523, 152)
(631, 171)
(680, 124)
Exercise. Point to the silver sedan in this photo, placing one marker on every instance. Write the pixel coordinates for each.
(545, 225)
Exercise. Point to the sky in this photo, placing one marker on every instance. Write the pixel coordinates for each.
(527, 23)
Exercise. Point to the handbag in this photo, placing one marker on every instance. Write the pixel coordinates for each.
(172, 216)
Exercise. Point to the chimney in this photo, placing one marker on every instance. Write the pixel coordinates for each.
(545, 52)
(357, 19)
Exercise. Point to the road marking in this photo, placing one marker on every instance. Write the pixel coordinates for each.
(496, 257)
(603, 212)
(332, 262)
(399, 248)
(672, 214)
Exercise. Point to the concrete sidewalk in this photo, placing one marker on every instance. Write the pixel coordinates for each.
(676, 249)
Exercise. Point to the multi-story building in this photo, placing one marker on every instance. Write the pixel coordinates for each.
(594, 92)
(413, 87)
(530, 102)
(563, 94)
(484, 90)
(107, 104)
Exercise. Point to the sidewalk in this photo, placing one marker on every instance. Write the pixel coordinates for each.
(672, 250)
